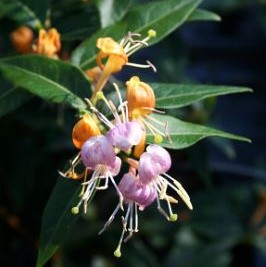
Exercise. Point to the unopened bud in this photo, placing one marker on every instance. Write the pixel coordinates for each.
(22, 39)
(140, 97)
(83, 130)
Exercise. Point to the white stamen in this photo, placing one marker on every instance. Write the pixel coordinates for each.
(121, 103)
(109, 221)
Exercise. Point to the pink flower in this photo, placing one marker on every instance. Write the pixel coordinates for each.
(134, 191)
(124, 135)
(98, 154)
(152, 169)
(153, 162)
(98, 151)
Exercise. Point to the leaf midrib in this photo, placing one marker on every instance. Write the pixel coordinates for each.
(8, 91)
(45, 79)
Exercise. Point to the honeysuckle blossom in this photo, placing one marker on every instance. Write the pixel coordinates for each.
(152, 168)
(104, 141)
(98, 155)
(117, 56)
(48, 43)
(153, 162)
(22, 39)
(125, 135)
(137, 196)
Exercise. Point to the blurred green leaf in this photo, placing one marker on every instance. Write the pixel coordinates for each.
(164, 17)
(184, 134)
(11, 99)
(40, 8)
(201, 14)
(77, 21)
(112, 11)
(170, 96)
(57, 218)
(49, 79)
(20, 12)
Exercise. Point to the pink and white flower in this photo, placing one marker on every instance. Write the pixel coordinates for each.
(125, 135)
(152, 168)
(98, 155)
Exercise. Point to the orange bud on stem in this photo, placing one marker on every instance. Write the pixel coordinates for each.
(83, 130)
(22, 39)
(140, 97)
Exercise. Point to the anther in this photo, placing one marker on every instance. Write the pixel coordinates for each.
(152, 33)
(117, 252)
(151, 66)
(75, 210)
(158, 138)
(173, 217)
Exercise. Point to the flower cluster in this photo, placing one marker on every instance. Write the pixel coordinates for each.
(106, 142)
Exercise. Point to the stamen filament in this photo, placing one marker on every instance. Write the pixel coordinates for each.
(140, 65)
(117, 252)
(121, 103)
(109, 221)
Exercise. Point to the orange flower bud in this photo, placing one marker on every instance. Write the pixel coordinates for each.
(117, 57)
(83, 130)
(140, 97)
(22, 39)
(48, 43)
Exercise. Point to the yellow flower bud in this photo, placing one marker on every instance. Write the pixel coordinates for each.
(22, 39)
(48, 43)
(140, 97)
(83, 130)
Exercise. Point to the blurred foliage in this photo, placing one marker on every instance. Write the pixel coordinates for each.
(227, 226)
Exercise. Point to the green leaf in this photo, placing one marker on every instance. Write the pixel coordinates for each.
(49, 79)
(83, 21)
(20, 12)
(57, 218)
(185, 134)
(40, 8)
(201, 14)
(163, 16)
(11, 99)
(112, 11)
(170, 96)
